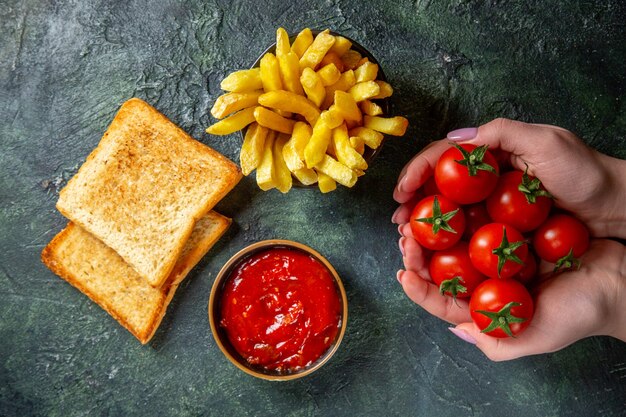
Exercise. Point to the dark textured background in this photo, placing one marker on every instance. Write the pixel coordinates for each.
(66, 66)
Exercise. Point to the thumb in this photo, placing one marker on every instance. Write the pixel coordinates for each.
(498, 349)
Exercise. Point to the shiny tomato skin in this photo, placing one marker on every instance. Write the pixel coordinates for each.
(488, 238)
(476, 216)
(492, 295)
(454, 181)
(423, 232)
(529, 272)
(557, 235)
(508, 205)
(455, 261)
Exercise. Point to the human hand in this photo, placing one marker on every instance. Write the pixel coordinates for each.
(569, 306)
(583, 181)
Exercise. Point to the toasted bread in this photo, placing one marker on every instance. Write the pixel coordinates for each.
(101, 274)
(143, 188)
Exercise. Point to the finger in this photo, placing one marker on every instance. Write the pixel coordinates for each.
(414, 257)
(405, 230)
(426, 295)
(418, 171)
(403, 213)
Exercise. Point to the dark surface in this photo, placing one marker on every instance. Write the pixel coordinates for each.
(65, 67)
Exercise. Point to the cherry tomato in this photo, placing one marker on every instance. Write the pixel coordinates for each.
(561, 239)
(452, 270)
(525, 210)
(430, 187)
(437, 222)
(466, 173)
(498, 250)
(501, 307)
(476, 216)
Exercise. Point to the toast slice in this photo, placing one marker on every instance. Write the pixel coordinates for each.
(143, 188)
(101, 274)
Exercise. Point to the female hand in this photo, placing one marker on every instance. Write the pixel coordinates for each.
(585, 182)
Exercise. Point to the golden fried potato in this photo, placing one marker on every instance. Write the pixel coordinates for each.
(358, 144)
(395, 126)
(282, 43)
(233, 123)
(282, 175)
(265, 171)
(306, 176)
(337, 171)
(332, 58)
(252, 148)
(347, 107)
(270, 73)
(291, 102)
(273, 120)
(370, 137)
(243, 81)
(325, 183)
(332, 117)
(302, 42)
(351, 59)
(315, 149)
(344, 152)
(341, 46)
(313, 86)
(290, 72)
(329, 74)
(232, 102)
(365, 90)
(315, 53)
(367, 71)
(346, 81)
(370, 108)
(386, 90)
(300, 136)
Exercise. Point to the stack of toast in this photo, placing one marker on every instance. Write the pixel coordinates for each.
(140, 216)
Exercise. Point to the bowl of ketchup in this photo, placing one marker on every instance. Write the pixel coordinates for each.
(278, 310)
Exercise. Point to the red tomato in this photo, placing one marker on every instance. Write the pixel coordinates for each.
(498, 250)
(529, 272)
(523, 210)
(437, 223)
(561, 239)
(452, 270)
(501, 307)
(430, 187)
(476, 216)
(466, 173)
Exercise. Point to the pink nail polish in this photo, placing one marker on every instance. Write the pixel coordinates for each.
(460, 135)
(399, 276)
(401, 245)
(463, 335)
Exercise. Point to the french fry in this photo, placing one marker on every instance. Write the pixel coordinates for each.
(282, 175)
(232, 102)
(315, 53)
(362, 61)
(272, 120)
(329, 74)
(370, 137)
(337, 171)
(252, 148)
(370, 108)
(315, 149)
(341, 46)
(302, 42)
(345, 152)
(365, 90)
(291, 102)
(332, 58)
(291, 157)
(332, 117)
(313, 86)
(242, 81)
(386, 90)
(395, 126)
(290, 72)
(344, 83)
(300, 136)
(282, 43)
(347, 107)
(306, 176)
(325, 183)
(351, 59)
(368, 71)
(270, 73)
(233, 123)
(358, 144)
(265, 171)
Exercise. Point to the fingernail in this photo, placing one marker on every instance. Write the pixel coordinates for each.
(399, 276)
(401, 183)
(463, 335)
(395, 214)
(400, 229)
(401, 245)
(460, 135)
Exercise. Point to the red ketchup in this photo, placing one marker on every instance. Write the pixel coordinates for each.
(281, 310)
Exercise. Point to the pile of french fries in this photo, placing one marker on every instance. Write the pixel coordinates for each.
(310, 111)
